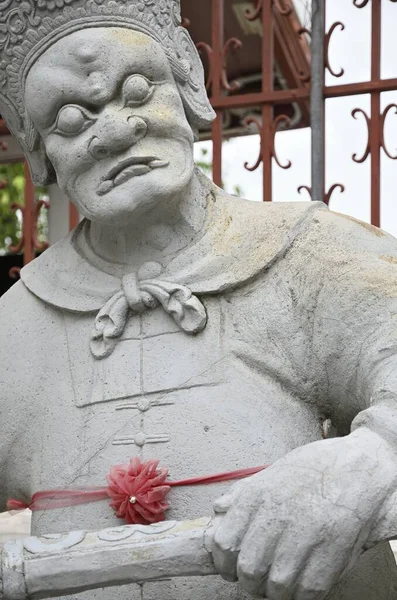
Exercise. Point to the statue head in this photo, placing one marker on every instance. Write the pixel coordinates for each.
(104, 97)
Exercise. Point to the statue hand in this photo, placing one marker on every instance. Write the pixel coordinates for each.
(291, 531)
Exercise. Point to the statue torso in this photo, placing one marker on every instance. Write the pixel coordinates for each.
(236, 395)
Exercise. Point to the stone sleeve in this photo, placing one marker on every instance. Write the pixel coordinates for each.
(23, 368)
(346, 282)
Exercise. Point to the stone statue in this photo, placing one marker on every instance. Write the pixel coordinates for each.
(180, 324)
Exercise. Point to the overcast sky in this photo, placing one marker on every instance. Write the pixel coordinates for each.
(345, 135)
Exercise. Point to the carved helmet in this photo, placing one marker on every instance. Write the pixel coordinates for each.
(29, 27)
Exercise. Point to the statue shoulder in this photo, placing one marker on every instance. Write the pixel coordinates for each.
(16, 306)
(346, 239)
(23, 320)
(269, 219)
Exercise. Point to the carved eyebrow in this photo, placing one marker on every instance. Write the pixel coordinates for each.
(74, 94)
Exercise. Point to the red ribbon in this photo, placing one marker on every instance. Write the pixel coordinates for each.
(137, 491)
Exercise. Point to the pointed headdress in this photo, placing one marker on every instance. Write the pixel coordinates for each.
(29, 27)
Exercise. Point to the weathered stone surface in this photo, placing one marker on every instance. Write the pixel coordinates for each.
(56, 565)
(181, 324)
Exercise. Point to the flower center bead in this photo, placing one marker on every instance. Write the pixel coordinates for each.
(132, 500)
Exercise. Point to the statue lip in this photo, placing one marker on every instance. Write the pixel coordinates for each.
(133, 166)
(128, 162)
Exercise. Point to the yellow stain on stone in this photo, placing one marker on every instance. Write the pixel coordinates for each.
(224, 236)
(129, 37)
(390, 259)
(143, 554)
(378, 232)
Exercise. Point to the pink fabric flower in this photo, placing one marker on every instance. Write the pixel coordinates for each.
(138, 492)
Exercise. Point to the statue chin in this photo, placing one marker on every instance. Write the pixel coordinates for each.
(139, 195)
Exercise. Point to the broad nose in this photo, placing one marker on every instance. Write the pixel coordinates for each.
(116, 135)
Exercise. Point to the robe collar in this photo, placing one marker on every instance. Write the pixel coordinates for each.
(242, 239)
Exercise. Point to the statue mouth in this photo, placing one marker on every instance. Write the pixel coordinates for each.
(128, 168)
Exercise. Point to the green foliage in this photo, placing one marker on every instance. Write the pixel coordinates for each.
(203, 163)
(206, 167)
(12, 188)
(11, 176)
(12, 191)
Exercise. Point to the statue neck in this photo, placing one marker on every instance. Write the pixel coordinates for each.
(157, 236)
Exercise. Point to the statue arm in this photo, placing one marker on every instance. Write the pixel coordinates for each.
(17, 398)
(356, 326)
(352, 269)
(7, 404)
(337, 496)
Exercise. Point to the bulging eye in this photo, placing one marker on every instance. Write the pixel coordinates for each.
(137, 90)
(72, 120)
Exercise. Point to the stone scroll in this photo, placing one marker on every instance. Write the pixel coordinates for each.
(57, 565)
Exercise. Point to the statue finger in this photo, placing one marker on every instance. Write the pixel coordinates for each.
(228, 538)
(320, 573)
(223, 504)
(290, 557)
(256, 555)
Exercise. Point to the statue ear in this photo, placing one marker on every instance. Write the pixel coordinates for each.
(41, 170)
(192, 84)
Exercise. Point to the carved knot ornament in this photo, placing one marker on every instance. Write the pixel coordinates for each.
(29, 27)
(137, 296)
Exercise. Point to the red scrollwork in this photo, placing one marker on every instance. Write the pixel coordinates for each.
(254, 14)
(36, 244)
(14, 272)
(203, 46)
(328, 194)
(16, 249)
(303, 75)
(248, 121)
(277, 122)
(284, 8)
(326, 51)
(331, 191)
(306, 188)
(382, 128)
(232, 44)
(367, 150)
(304, 31)
(275, 127)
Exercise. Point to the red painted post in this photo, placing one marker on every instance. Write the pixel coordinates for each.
(28, 218)
(218, 24)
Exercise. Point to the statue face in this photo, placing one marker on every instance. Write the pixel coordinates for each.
(107, 107)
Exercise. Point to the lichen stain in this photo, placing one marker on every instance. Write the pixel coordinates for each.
(224, 237)
(129, 37)
(378, 232)
(390, 259)
(143, 554)
(161, 112)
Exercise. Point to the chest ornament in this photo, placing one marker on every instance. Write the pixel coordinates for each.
(138, 491)
(137, 296)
